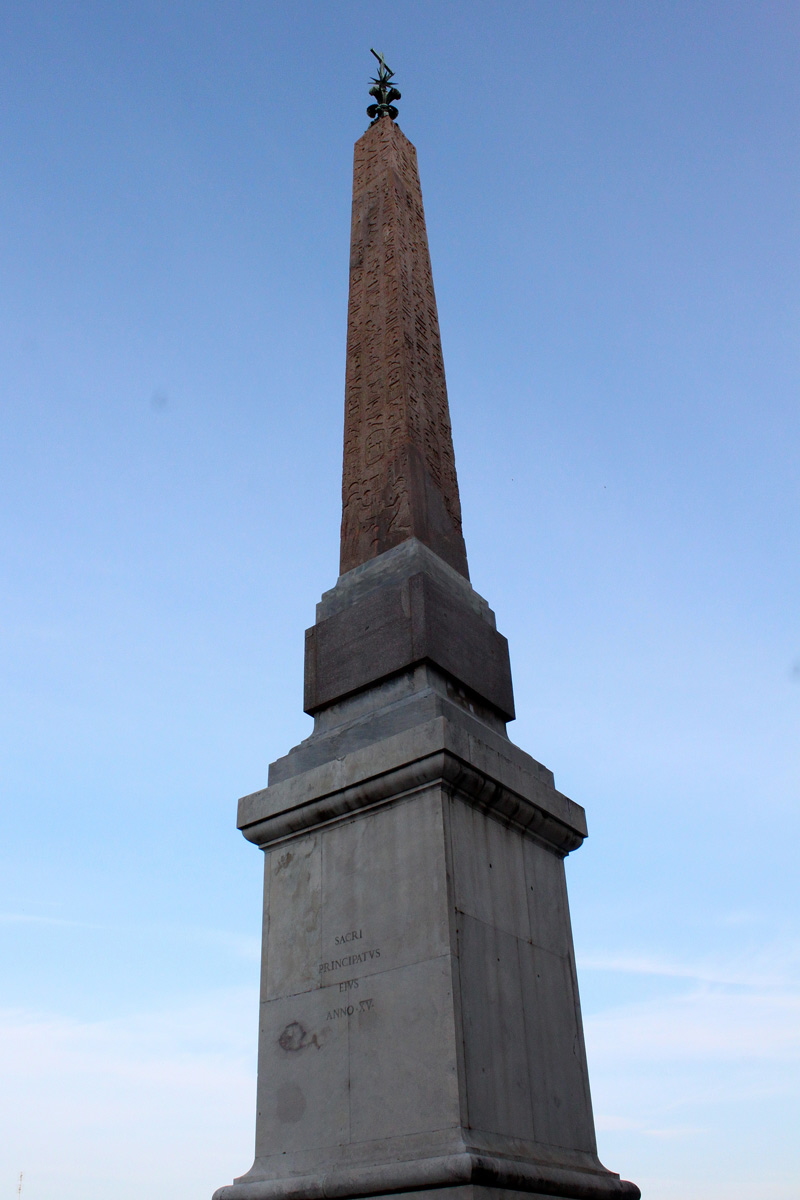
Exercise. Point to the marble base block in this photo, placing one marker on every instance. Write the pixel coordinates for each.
(420, 1023)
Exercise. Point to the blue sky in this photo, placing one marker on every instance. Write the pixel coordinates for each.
(611, 193)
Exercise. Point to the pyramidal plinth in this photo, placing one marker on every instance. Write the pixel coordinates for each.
(420, 1024)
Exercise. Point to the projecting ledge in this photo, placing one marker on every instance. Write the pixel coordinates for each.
(451, 1172)
(488, 772)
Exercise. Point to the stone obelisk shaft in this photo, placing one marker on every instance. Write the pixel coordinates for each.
(399, 478)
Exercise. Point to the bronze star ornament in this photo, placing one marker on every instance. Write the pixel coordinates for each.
(384, 91)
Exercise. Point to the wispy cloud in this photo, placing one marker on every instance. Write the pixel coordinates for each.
(690, 1065)
(237, 944)
(177, 1084)
(704, 1024)
(35, 919)
(772, 966)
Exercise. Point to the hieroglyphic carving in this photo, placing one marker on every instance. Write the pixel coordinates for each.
(399, 477)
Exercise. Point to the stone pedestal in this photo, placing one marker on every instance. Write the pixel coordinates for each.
(420, 1022)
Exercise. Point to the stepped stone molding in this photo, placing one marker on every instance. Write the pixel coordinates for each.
(478, 765)
(393, 628)
(443, 1178)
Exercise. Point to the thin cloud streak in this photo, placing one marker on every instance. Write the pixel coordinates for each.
(702, 1025)
(679, 1076)
(756, 971)
(32, 919)
(238, 944)
(178, 1084)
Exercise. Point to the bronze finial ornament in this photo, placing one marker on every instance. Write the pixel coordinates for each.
(383, 91)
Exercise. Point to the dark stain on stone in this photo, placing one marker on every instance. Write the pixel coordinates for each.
(295, 1037)
(291, 1103)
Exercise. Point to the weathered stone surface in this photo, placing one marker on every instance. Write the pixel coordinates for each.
(399, 476)
(404, 607)
(487, 769)
(408, 558)
(397, 626)
(420, 1020)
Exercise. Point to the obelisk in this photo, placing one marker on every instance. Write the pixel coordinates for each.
(399, 478)
(420, 1023)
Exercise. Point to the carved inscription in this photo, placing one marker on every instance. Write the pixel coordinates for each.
(346, 987)
(355, 935)
(349, 960)
(349, 1010)
(373, 447)
(399, 477)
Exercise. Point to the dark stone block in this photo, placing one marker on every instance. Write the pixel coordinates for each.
(391, 629)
